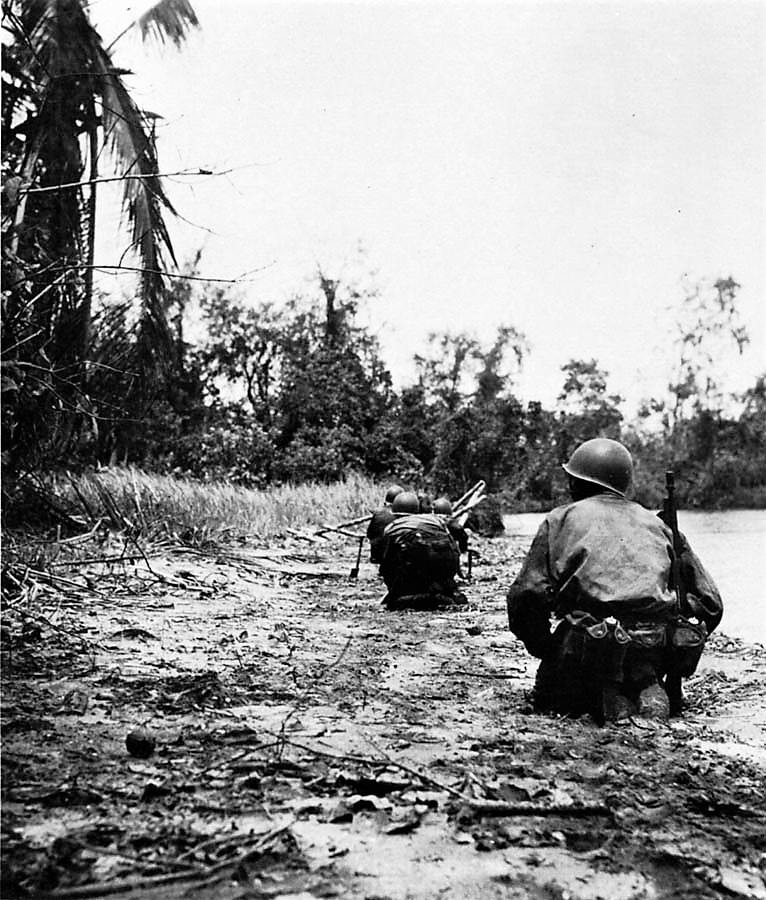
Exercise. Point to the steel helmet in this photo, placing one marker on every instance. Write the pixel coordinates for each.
(406, 502)
(442, 506)
(602, 461)
(392, 492)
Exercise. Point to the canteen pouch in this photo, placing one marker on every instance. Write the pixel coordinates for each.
(686, 642)
(594, 646)
(648, 635)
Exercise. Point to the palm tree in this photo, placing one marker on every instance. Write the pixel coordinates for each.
(66, 115)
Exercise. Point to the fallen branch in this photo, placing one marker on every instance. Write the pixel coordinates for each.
(337, 530)
(150, 176)
(513, 673)
(269, 565)
(357, 521)
(98, 559)
(126, 885)
(242, 840)
(58, 581)
(202, 875)
(89, 646)
(312, 538)
(500, 808)
(373, 763)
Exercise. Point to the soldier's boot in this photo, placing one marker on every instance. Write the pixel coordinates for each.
(653, 703)
(675, 693)
(545, 693)
(615, 706)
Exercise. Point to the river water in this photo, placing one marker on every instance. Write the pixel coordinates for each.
(732, 547)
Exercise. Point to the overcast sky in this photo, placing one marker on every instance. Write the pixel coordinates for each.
(556, 167)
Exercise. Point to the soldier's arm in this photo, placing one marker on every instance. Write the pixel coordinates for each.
(529, 598)
(702, 595)
(459, 535)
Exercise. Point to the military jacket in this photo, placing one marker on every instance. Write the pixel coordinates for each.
(377, 525)
(608, 556)
(427, 523)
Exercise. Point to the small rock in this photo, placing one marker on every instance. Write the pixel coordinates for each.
(341, 813)
(140, 743)
(474, 630)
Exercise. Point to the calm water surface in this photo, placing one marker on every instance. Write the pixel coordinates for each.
(732, 547)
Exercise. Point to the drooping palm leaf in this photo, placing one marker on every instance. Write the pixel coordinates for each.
(63, 101)
(168, 20)
(69, 67)
(143, 198)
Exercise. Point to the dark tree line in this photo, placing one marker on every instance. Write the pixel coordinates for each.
(300, 392)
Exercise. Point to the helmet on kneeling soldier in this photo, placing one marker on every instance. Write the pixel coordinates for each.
(406, 502)
(602, 462)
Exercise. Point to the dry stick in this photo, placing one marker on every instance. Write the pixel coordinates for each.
(227, 839)
(66, 582)
(304, 693)
(203, 875)
(152, 175)
(500, 808)
(38, 617)
(137, 500)
(126, 885)
(244, 857)
(140, 549)
(313, 538)
(108, 851)
(97, 559)
(357, 521)
(81, 538)
(83, 501)
(338, 530)
(513, 673)
(385, 763)
(412, 771)
(117, 515)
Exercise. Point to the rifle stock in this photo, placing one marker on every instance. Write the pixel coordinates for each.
(670, 514)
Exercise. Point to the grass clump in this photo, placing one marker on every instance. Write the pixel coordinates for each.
(198, 512)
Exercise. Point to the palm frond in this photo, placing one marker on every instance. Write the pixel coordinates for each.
(168, 20)
(62, 76)
(144, 199)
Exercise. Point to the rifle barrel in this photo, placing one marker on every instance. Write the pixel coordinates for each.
(479, 486)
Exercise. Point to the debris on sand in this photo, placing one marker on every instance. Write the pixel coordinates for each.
(305, 742)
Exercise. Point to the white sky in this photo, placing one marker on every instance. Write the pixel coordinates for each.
(556, 167)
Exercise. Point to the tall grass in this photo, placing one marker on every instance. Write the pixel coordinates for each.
(194, 511)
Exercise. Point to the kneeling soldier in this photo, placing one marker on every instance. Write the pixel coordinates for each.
(602, 567)
(380, 519)
(420, 558)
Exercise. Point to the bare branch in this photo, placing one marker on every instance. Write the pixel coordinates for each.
(208, 173)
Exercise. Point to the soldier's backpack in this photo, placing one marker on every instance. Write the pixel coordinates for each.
(434, 553)
(424, 548)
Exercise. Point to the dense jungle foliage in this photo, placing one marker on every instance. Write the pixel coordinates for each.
(300, 393)
(296, 391)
